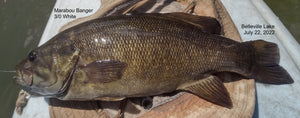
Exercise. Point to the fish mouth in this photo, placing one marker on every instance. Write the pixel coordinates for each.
(25, 75)
(25, 80)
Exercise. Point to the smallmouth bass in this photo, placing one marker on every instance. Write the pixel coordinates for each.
(114, 57)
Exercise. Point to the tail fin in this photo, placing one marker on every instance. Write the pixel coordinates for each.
(267, 68)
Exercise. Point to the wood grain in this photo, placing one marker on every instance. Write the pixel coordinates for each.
(190, 106)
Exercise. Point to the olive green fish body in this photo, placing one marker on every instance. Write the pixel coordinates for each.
(159, 58)
(150, 54)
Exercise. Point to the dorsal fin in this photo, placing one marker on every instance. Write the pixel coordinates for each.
(206, 24)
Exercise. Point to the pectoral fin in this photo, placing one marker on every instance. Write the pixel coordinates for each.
(211, 89)
(104, 71)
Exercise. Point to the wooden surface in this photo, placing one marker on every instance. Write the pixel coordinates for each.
(192, 106)
(241, 92)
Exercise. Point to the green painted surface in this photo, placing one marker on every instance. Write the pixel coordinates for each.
(288, 13)
(21, 26)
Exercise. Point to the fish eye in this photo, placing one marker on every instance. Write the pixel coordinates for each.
(32, 56)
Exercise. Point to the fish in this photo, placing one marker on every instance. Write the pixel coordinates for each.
(124, 56)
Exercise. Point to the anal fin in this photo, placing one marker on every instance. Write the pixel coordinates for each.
(210, 89)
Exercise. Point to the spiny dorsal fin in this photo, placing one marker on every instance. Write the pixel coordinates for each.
(104, 71)
(206, 24)
(210, 89)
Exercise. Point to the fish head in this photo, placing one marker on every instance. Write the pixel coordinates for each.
(48, 70)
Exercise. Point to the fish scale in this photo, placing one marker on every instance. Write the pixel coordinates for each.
(115, 57)
(146, 51)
